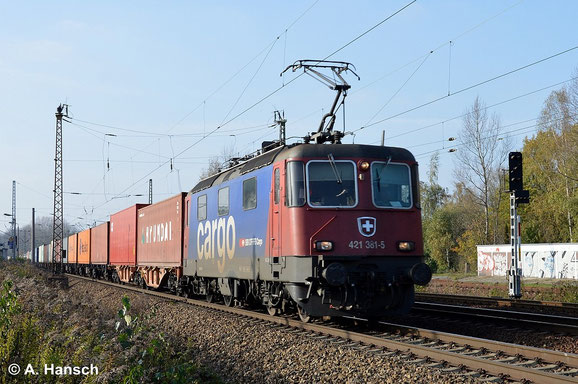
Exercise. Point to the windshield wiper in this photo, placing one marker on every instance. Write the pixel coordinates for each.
(378, 174)
(334, 168)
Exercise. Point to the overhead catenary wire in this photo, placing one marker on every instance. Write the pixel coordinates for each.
(520, 130)
(399, 89)
(147, 134)
(446, 42)
(485, 108)
(468, 88)
(267, 47)
(225, 122)
(91, 131)
(257, 103)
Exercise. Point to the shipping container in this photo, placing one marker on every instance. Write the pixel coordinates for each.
(72, 248)
(160, 231)
(83, 250)
(41, 254)
(99, 244)
(123, 234)
(47, 252)
(186, 229)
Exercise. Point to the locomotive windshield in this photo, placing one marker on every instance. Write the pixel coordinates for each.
(331, 183)
(390, 185)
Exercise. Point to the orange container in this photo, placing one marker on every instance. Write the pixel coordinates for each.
(84, 247)
(99, 244)
(72, 248)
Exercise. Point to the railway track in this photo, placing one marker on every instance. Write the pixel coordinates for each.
(469, 356)
(515, 304)
(509, 318)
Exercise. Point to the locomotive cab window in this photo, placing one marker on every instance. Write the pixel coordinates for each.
(202, 207)
(223, 203)
(331, 183)
(276, 186)
(295, 184)
(390, 185)
(250, 194)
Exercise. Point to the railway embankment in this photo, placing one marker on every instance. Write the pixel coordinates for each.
(562, 290)
(72, 333)
(133, 337)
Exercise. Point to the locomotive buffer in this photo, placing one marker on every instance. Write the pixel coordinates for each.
(517, 196)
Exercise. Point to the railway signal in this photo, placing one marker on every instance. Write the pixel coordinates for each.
(515, 171)
(517, 196)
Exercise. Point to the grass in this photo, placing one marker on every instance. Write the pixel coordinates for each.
(37, 331)
(549, 290)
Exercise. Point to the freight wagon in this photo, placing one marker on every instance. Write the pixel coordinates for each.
(123, 244)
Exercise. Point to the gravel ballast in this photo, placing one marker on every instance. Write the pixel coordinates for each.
(235, 349)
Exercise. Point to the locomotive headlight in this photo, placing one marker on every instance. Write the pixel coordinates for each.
(363, 166)
(324, 245)
(405, 246)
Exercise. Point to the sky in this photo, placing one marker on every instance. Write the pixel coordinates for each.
(157, 88)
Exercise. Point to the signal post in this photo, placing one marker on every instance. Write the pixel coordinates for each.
(517, 196)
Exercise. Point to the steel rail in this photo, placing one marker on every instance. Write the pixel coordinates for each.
(498, 302)
(491, 367)
(563, 324)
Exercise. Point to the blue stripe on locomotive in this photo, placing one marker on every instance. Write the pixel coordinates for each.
(235, 239)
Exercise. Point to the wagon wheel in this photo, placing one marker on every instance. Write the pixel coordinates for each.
(303, 315)
(210, 297)
(229, 301)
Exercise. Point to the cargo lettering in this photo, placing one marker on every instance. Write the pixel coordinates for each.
(157, 233)
(217, 239)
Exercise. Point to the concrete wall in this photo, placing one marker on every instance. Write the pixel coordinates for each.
(538, 260)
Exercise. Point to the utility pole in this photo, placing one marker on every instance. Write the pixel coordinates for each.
(150, 191)
(13, 222)
(58, 223)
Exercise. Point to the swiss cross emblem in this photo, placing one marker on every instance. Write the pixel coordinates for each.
(366, 225)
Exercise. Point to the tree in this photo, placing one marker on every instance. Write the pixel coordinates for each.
(218, 163)
(440, 234)
(214, 167)
(551, 166)
(433, 195)
(478, 163)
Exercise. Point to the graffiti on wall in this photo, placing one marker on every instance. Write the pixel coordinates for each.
(493, 263)
(537, 260)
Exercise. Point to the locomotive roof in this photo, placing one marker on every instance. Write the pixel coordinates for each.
(305, 151)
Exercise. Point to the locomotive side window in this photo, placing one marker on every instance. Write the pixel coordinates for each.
(295, 184)
(391, 186)
(223, 203)
(276, 186)
(202, 207)
(331, 183)
(250, 193)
